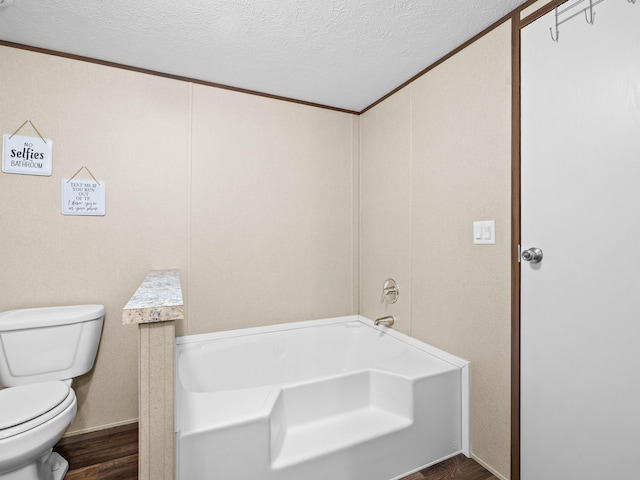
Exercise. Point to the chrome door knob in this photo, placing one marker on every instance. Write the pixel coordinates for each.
(532, 255)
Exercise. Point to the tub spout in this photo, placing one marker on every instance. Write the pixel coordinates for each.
(386, 321)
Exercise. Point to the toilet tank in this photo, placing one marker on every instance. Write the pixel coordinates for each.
(51, 343)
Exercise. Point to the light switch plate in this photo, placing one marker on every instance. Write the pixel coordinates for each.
(484, 232)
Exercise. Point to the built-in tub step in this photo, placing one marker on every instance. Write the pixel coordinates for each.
(317, 418)
(321, 437)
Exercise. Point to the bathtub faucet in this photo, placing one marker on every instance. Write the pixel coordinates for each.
(386, 321)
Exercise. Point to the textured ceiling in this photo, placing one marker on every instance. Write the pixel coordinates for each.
(341, 53)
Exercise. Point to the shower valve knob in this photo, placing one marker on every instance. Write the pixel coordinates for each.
(390, 291)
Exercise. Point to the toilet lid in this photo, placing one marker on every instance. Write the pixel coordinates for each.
(26, 402)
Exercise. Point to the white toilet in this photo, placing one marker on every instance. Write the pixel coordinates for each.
(41, 351)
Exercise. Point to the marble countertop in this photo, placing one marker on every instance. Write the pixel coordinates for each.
(158, 299)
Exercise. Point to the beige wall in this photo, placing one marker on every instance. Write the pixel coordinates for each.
(131, 130)
(385, 208)
(436, 157)
(253, 200)
(271, 212)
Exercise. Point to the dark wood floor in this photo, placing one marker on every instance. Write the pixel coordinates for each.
(456, 468)
(110, 454)
(113, 455)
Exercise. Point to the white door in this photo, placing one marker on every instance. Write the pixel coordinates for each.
(580, 306)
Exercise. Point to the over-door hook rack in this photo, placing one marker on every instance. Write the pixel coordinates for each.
(564, 14)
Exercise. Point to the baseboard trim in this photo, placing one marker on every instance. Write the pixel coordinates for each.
(99, 428)
(489, 467)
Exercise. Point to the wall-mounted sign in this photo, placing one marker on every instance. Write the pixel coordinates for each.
(26, 155)
(83, 197)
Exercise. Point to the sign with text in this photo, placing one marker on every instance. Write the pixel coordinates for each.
(26, 155)
(83, 197)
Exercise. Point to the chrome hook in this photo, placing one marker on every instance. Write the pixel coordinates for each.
(557, 37)
(591, 16)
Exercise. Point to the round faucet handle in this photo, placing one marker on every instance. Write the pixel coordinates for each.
(390, 291)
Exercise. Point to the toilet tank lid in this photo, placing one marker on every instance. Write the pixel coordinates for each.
(47, 316)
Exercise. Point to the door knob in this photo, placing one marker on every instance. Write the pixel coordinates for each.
(532, 255)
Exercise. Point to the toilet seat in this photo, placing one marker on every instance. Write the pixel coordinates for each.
(28, 406)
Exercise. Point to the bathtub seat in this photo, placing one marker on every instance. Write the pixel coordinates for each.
(320, 417)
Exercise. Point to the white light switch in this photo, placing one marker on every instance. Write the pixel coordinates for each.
(484, 232)
(477, 231)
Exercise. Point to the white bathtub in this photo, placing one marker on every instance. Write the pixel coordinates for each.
(337, 399)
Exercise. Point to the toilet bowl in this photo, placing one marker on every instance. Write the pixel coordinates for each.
(40, 351)
(32, 420)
